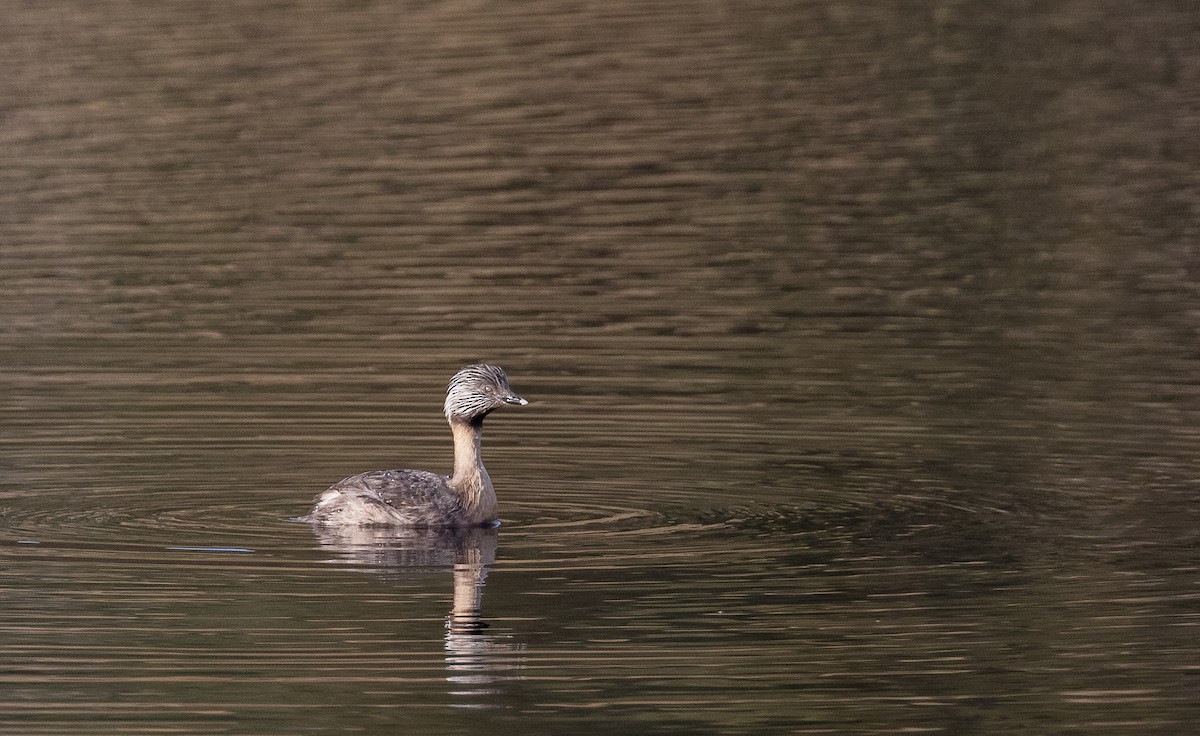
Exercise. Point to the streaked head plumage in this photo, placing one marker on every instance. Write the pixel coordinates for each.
(477, 390)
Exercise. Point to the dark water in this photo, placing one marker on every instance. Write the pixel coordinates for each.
(861, 341)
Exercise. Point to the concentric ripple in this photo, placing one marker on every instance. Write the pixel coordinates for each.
(549, 528)
(118, 528)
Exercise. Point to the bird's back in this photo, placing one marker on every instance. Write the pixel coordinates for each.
(404, 497)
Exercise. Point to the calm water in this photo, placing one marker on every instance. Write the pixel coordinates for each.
(861, 344)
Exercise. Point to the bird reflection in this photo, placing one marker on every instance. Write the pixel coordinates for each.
(476, 661)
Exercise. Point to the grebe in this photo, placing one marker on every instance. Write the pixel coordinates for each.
(416, 498)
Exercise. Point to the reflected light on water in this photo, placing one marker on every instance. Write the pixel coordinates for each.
(861, 340)
(477, 663)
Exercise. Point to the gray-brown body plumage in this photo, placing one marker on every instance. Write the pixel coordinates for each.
(417, 498)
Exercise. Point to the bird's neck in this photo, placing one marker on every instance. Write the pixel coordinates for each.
(470, 478)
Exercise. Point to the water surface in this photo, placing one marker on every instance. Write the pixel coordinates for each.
(861, 347)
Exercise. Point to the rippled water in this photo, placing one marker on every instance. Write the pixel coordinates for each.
(860, 341)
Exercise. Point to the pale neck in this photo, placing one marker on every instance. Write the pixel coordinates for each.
(470, 477)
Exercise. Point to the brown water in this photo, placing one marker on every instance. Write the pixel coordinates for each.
(861, 342)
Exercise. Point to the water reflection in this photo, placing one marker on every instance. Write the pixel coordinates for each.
(476, 661)
(864, 336)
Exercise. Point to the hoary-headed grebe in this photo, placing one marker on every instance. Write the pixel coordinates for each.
(417, 498)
